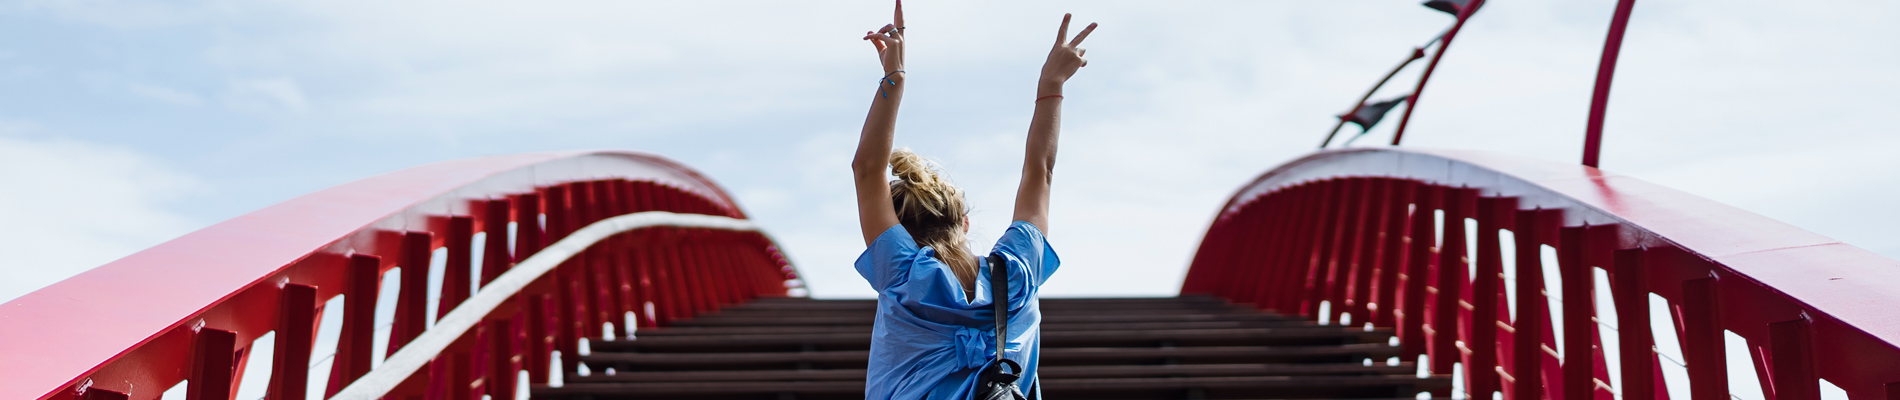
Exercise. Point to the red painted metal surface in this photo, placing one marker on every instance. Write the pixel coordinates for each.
(1808, 306)
(1464, 13)
(192, 307)
(1606, 68)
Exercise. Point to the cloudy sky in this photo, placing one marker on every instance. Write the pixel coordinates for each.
(126, 123)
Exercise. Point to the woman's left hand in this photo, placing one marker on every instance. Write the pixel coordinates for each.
(1064, 59)
(889, 41)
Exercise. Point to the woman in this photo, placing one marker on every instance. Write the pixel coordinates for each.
(935, 327)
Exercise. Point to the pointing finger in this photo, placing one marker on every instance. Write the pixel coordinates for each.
(1063, 32)
(898, 18)
(1083, 35)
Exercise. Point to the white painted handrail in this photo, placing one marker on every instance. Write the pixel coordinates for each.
(418, 352)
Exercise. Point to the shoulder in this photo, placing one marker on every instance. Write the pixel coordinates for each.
(1022, 236)
(885, 260)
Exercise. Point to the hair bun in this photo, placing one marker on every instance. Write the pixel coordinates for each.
(919, 177)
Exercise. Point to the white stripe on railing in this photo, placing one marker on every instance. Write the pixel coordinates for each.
(425, 347)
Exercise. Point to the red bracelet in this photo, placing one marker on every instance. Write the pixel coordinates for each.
(1039, 99)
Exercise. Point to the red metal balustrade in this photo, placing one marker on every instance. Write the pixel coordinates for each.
(191, 308)
(1360, 231)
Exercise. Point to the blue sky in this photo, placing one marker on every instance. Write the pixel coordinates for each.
(126, 123)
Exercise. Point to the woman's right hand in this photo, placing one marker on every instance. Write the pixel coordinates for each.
(1064, 59)
(889, 41)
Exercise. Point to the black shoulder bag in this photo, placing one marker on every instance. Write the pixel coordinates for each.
(995, 382)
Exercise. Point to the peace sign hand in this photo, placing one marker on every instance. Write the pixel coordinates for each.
(889, 41)
(1064, 59)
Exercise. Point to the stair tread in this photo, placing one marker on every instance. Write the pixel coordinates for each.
(1106, 348)
(1050, 372)
(1048, 354)
(1049, 338)
(1050, 385)
(865, 319)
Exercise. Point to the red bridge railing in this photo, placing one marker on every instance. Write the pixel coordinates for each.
(663, 243)
(1449, 248)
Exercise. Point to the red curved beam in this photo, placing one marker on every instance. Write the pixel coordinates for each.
(1334, 227)
(128, 326)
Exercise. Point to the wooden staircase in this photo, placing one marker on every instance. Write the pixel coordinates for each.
(1128, 348)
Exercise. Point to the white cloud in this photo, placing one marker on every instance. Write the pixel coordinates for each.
(71, 206)
(164, 94)
(266, 94)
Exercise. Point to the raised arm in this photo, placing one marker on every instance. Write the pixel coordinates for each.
(1039, 155)
(875, 212)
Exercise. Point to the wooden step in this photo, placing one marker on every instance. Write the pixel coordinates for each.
(831, 305)
(1319, 335)
(1047, 318)
(1229, 387)
(1053, 372)
(1116, 388)
(1135, 348)
(1046, 327)
(630, 361)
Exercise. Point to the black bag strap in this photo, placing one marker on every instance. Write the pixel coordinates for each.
(999, 295)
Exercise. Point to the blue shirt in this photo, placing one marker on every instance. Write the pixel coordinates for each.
(929, 341)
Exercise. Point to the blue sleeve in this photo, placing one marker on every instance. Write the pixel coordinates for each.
(1025, 245)
(883, 262)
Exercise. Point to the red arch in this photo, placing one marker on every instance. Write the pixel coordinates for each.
(127, 326)
(1299, 235)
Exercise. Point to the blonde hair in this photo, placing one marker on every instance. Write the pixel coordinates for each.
(933, 211)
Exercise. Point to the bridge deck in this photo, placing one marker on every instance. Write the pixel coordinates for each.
(1137, 348)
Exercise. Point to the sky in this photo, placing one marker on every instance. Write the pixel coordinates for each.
(124, 124)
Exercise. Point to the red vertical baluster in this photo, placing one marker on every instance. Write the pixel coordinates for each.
(1247, 235)
(581, 200)
(538, 344)
(1579, 328)
(1600, 253)
(212, 365)
(570, 314)
(643, 276)
(1273, 236)
(1792, 361)
(590, 290)
(530, 235)
(502, 359)
(701, 271)
(1533, 230)
(1419, 252)
(560, 219)
(354, 347)
(1487, 294)
(1312, 260)
(1288, 267)
(459, 265)
(1450, 282)
(1366, 258)
(1352, 227)
(600, 261)
(1218, 247)
(615, 252)
(1631, 293)
(1392, 254)
(1319, 274)
(412, 311)
(1702, 340)
(1281, 228)
(296, 329)
(495, 257)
